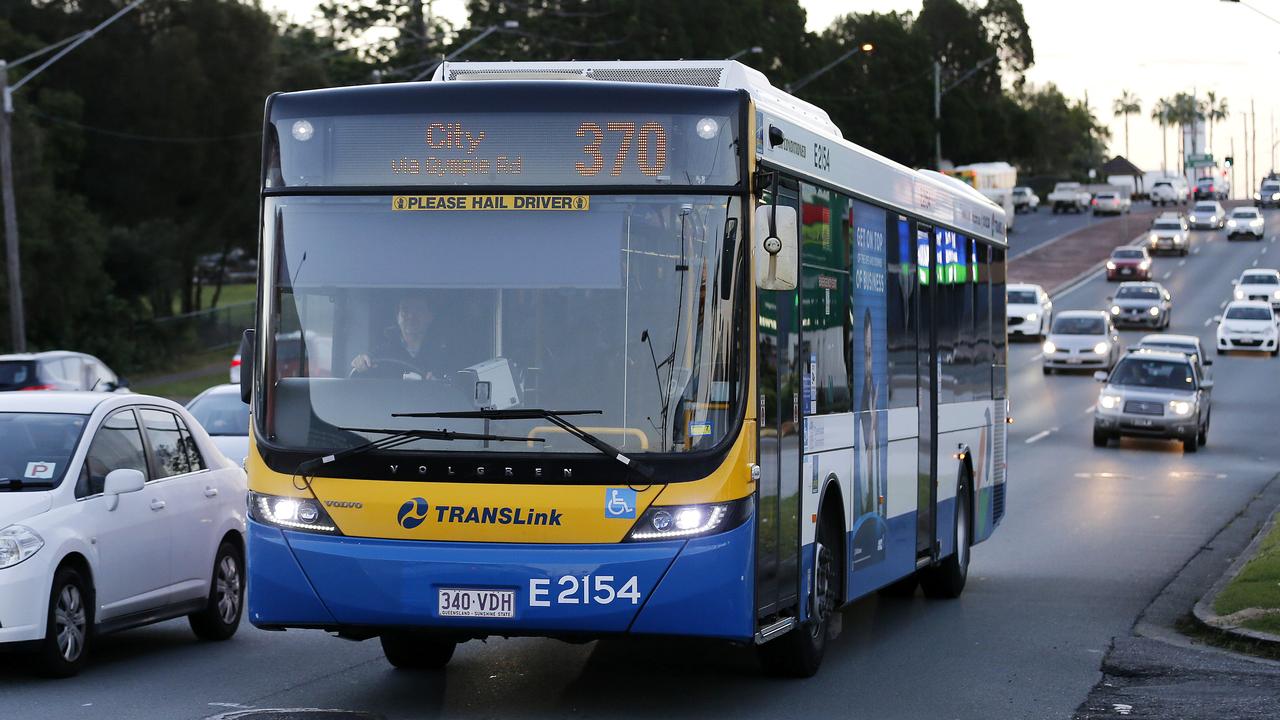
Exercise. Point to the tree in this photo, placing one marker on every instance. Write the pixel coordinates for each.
(1125, 105)
(1215, 110)
(1162, 113)
(1185, 110)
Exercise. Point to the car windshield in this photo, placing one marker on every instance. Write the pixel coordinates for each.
(1168, 225)
(610, 303)
(1149, 372)
(17, 374)
(1022, 297)
(221, 413)
(1271, 187)
(35, 448)
(1139, 292)
(1206, 208)
(1166, 345)
(1248, 313)
(1127, 254)
(1248, 214)
(1067, 325)
(1259, 279)
(1204, 181)
(1163, 184)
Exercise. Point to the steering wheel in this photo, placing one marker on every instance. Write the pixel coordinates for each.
(376, 362)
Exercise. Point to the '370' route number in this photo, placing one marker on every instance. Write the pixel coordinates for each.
(582, 590)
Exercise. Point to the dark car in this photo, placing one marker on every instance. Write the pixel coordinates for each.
(57, 370)
(1129, 263)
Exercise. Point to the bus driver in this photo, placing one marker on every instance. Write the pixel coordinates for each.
(406, 350)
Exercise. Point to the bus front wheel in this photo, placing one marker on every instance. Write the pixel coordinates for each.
(798, 654)
(417, 651)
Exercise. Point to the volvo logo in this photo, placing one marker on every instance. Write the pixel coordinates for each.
(344, 504)
(412, 513)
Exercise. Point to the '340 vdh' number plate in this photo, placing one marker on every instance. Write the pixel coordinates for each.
(470, 602)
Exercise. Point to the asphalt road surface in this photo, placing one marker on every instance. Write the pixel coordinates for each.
(1090, 537)
(1031, 230)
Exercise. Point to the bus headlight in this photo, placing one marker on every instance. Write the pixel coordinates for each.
(676, 522)
(291, 513)
(708, 128)
(17, 543)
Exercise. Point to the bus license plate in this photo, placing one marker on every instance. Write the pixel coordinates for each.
(470, 602)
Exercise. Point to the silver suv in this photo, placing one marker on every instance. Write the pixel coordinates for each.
(1143, 304)
(1155, 394)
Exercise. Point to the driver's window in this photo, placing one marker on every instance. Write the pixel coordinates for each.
(116, 445)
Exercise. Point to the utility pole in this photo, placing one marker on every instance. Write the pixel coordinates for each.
(937, 116)
(1244, 122)
(1253, 123)
(1233, 168)
(17, 317)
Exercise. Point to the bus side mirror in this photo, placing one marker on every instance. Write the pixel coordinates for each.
(246, 364)
(775, 240)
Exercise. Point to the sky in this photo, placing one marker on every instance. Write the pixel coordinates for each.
(1098, 48)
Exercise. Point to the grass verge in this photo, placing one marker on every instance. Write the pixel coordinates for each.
(1256, 586)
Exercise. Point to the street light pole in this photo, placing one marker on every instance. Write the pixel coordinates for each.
(937, 115)
(17, 317)
(864, 47)
(508, 25)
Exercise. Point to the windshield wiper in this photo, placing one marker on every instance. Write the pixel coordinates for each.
(19, 483)
(555, 417)
(396, 438)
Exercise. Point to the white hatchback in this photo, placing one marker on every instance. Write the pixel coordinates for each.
(1249, 325)
(115, 511)
(1029, 310)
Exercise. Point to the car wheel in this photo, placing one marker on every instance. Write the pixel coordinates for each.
(220, 617)
(946, 579)
(1191, 444)
(1100, 437)
(417, 651)
(799, 653)
(1203, 438)
(69, 626)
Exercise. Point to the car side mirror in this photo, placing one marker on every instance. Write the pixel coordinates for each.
(1217, 318)
(247, 345)
(1110, 298)
(1235, 281)
(1208, 362)
(119, 482)
(1206, 384)
(1100, 376)
(119, 384)
(776, 237)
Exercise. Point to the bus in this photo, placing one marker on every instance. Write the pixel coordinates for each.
(589, 349)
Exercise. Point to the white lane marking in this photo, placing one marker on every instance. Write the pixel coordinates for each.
(1264, 251)
(1196, 251)
(1222, 304)
(1255, 262)
(1037, 437)
(1052, 221)
(1037, 356)
(1208, 322)
(1182, 262)
(1089, 410)
(1166, 275)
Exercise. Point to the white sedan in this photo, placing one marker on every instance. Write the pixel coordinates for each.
(223, 415)
(115, 511)
(1029, 310)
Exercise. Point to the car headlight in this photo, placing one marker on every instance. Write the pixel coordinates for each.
(1153, 238)
(1144, 264)
(1155, 310)
(1181, 408)
(1192, 218)
(17, 543)
(291, 513)
(1239, 294)
(1108, 400)
(1111, 265)
(1257, 222)
(1115, 309)
(1213, 218)
(1102, 348)
(1276, 294)
(1256, 196)
(1049, 348)
(1231, 223)
(668, 522)
(1032, 317)
(1275, 196)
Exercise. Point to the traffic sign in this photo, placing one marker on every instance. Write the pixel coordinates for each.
(1194, 161)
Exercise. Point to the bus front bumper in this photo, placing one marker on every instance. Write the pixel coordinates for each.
(698, 587)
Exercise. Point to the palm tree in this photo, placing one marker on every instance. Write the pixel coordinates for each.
(1186, 110)
(1124, 106)
(1216, 109)
(1161, 113)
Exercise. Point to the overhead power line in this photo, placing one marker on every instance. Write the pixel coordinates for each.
(145, 138)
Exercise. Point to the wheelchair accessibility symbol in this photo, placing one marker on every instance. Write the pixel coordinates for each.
(619, 503)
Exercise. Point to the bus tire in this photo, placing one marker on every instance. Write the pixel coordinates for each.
(798, 654)
(946, 579)
(417, 651)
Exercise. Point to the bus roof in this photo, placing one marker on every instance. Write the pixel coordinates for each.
(813, 147)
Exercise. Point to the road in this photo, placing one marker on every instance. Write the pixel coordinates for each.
(1032, 230)
(1091, 536)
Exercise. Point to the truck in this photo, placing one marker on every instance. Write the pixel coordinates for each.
(1069, 196)
(995, 180)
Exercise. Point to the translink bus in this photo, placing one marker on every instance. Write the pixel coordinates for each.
(582, 349)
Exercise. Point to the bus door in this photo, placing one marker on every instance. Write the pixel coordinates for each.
(927, 393)
(778, 404)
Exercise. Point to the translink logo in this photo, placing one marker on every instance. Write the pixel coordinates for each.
(413, 512)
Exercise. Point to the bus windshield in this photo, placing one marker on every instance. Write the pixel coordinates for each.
(604, 302)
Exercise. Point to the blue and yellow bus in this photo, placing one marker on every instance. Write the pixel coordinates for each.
(584, 349)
